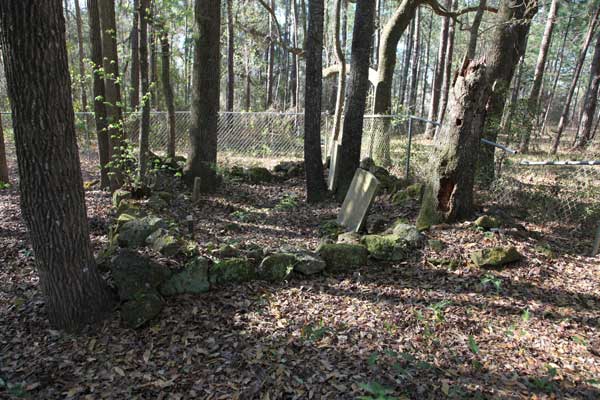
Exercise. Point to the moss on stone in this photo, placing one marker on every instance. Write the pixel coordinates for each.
(342, 256)
(233, 270)
(495, 257)
(193, 279)
(386, 247)
(277, 267)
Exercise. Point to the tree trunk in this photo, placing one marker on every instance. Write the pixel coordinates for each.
(558, 68)
(168, 89)
(112, 88)
(414, 80)
(509, 108)
(81, 56)
(98, 91)
(134, 72)
(591, 100)
(506, 48)
(270, 59)
(154, 89)
(406, 64)
(356, 95)
(143, 16)
(247, 80)
(563, 117)
(3, 162)
(447, 67)
(540, 66)
(341, 59)
(315, 182)
(438, 77)
(474, 30)
(449, 194)
(202, 160)
(426, 65)
(230, 59)
(52, 197)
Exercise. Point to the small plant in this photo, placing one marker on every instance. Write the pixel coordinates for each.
(439, 309)
(490, 279)
(288, 202)
(4, 185)
(526, 316)
(544, 383)
(473, 346)
(241, 216)
(376, 391)
(314, 333)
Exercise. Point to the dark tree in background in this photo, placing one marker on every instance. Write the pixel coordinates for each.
(315, 183)
(98, 91)
(52, 198)
(3, 163)
(356, 96)
(143, 14)
(202, 159)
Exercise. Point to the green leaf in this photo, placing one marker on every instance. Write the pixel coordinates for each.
(473, 345)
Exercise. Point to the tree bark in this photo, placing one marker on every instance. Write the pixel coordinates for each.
(506, 48)
(112, 88)
(447, 68)
(270, 59)
(3, 162)
(341, 60)
(438, 77)
(356, 95)
(81, 56)
(408, 46)
(134, 72)
(591, 100)
(98, 91)
(414, 80)
(581, 59)
(538, 76)
(143, 16)
(230, 59)
(153, 65)
(449, 194)
(52, 197)
(202, 160)
(315, 182)
(168, 89)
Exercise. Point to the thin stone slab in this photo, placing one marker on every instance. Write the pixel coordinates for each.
(359, 198)
(333, 169)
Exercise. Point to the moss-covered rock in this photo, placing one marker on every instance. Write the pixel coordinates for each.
(161, 241)
(341, 256)
(387, 181)
(225, 251)
(488, 222)
(348, 238)
(133, 273)
(258, 175)
(133, 232)
(276, 267)
(193, 279)
(330, 228)
(156, 202)
(435, 245)
(546, 250)
(141, 309)
(386, 247)
(412, 192)
(308, 263)
(495, 257)
(408, 233)
(128, 207)
(233, 270)
(449, 263)
(120, 195)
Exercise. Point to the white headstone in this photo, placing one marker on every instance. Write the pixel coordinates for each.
(359, 198)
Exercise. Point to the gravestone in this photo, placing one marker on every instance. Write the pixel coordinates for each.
(361, 193)
(333, 169)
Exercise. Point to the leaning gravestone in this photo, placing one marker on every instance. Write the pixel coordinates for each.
(333, 169)
(361, 193)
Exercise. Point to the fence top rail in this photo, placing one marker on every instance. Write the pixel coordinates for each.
(569, 162)
(436, 123)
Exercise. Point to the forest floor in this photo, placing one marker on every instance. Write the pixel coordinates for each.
(409, 330)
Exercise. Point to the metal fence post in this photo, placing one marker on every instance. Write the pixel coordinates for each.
(408, 146)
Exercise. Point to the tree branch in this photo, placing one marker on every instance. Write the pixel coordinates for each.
(443, 11)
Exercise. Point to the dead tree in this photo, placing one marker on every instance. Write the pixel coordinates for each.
(449, 193)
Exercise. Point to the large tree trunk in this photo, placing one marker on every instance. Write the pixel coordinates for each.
(3, 162)
(506, 48)
(414, 80)
(315, 182)
(564, 115)
(591, 100)
(81, 56)
(449, 193)
(438, 77)
(112, 88)
(168, 89)
(474, 30)
(540, 66)
(153, 65)
(143, 15)
(408, 46)
(426, 65)
(230, 59)
(356, 96)
(98, 91)
(134, 72)
(202, 160)
(270, 59)
(52, 197)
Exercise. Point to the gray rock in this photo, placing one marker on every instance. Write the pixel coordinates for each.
(488, 222)
(141, 309)
(343, 257)
(495, 257)
(133, 233)
(233, 270)
(387, 247)
(349, 238)
(308, 263)
(408, 233)
(277, 267)
(134, 273)
(226, 251)
(193, 279)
